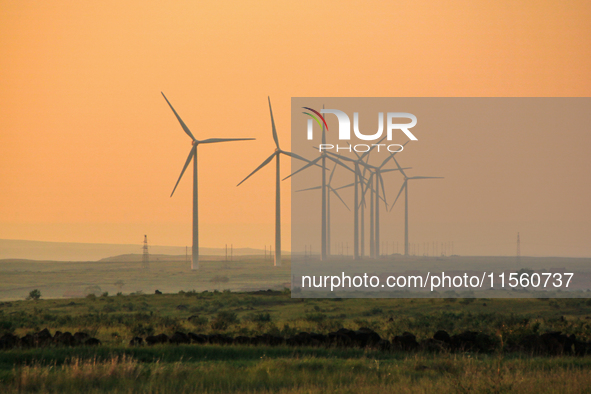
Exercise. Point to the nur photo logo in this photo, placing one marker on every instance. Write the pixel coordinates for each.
(393, 123)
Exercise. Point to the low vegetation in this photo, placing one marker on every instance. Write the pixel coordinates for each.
(504, 360)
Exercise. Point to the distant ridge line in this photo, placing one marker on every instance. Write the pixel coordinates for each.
(16, 249)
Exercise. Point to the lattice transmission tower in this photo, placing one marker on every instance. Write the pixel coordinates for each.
(146, 255)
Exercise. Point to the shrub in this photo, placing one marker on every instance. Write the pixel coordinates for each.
(260, 317)
(315, 317)
(198, 321)
(141, 330)
(109, 308)
(34, 295)
(223, 320)
(373, 312)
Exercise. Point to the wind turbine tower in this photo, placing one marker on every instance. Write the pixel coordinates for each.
(193, 155)
(405, 188)
(276, 155)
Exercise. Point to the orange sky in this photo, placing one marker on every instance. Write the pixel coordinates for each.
(90, 151)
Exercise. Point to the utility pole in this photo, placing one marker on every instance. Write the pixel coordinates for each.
(518, 248)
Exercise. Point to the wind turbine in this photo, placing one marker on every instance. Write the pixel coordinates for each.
(324, 187)
(359, 180)
(374, 209)
(376, 212)
(336, 193)
(405, 188)
(193, 152)
(276, 154)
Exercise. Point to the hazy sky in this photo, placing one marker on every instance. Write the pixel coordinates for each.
(90, 151)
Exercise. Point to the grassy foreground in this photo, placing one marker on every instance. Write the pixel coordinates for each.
(116, 367)
(242, 370)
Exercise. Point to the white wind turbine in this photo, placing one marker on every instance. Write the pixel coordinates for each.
(276, 154)
(336, 193)
(405, 187)
(195, 143)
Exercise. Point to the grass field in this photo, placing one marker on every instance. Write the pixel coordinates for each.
(215, 369)
(114, 319)
(117, 367)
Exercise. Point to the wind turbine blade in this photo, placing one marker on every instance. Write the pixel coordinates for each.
(183, 125)
(341, 157)
(214, 140)
(273, 125)
(391, 156)
(310, 188)
(399, 168)
(383, 189)
(339, 163)
(259, 167)
(337, 194)
(310, 163)
(401, 189)
(367, 153)
(354, 151)
(332, 173)
(191, 154)
(395, 169)
(425, 177)
(357, 162)
(290, 154)
(343, 187)
(365, 187)
(366, 166)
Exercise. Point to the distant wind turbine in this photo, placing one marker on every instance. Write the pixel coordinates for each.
(336, 193)
(276, 154)
(195, 142)
(405, 188)
(324, 249)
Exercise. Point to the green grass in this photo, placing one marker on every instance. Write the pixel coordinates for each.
(242, 370)
(115, 367)
(115, 319)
